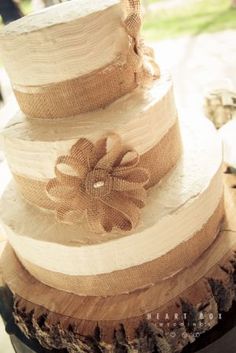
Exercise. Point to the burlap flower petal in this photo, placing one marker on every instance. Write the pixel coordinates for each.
(58, 191)
(133, 24)
(136, 175)
(120, 184)
(95, 217)
(101, 148)
(81, 201)
(113, 151)
(129, 160)
(123, 213)
(149, 51)
(134, 5)
(138, 197)
(113, 219)
(73, 208)
(68, 170)
(69, 216)
(84, 152)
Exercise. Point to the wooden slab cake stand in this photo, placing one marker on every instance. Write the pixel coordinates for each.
(164, 318)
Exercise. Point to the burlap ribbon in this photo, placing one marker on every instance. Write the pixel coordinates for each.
(100, 182)
(95, 307)
(136, 277)
(98, 88)
(103, 183)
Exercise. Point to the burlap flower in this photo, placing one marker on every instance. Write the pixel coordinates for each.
(101, 183)
(145, 55)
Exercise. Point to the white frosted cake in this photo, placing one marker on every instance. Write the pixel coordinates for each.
(113, 199)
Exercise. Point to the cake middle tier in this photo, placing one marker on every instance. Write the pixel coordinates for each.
(145, 120)
(181, 219)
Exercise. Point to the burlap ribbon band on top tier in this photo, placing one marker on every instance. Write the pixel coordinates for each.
(100, 185)
(98, 88)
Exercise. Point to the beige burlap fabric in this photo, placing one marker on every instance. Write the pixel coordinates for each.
(137, 277)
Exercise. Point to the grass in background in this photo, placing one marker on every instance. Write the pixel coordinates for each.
(191, 19)
(26, 6)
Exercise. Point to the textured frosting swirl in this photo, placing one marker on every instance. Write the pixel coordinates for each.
(65, 41)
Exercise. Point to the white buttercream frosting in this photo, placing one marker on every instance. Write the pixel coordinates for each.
(177, 208)
(65, 41)
(141, 118)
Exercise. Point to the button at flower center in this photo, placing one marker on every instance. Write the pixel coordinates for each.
(98, 183)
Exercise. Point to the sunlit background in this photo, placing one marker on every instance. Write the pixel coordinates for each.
(169, 18)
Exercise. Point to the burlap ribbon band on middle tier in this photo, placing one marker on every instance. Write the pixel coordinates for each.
(155, 161)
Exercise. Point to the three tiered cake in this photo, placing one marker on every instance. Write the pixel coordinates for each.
(115, 206)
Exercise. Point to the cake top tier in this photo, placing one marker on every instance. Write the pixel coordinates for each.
(63, 41)
(60, 13)
(74, 57)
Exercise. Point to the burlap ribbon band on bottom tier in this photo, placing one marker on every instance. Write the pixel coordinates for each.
(61, 308)
(137, 277)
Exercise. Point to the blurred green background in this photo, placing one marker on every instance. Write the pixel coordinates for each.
(188, 17)
(172, 18)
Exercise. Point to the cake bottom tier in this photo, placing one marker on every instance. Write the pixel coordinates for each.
(164, 318)
(167, 329)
